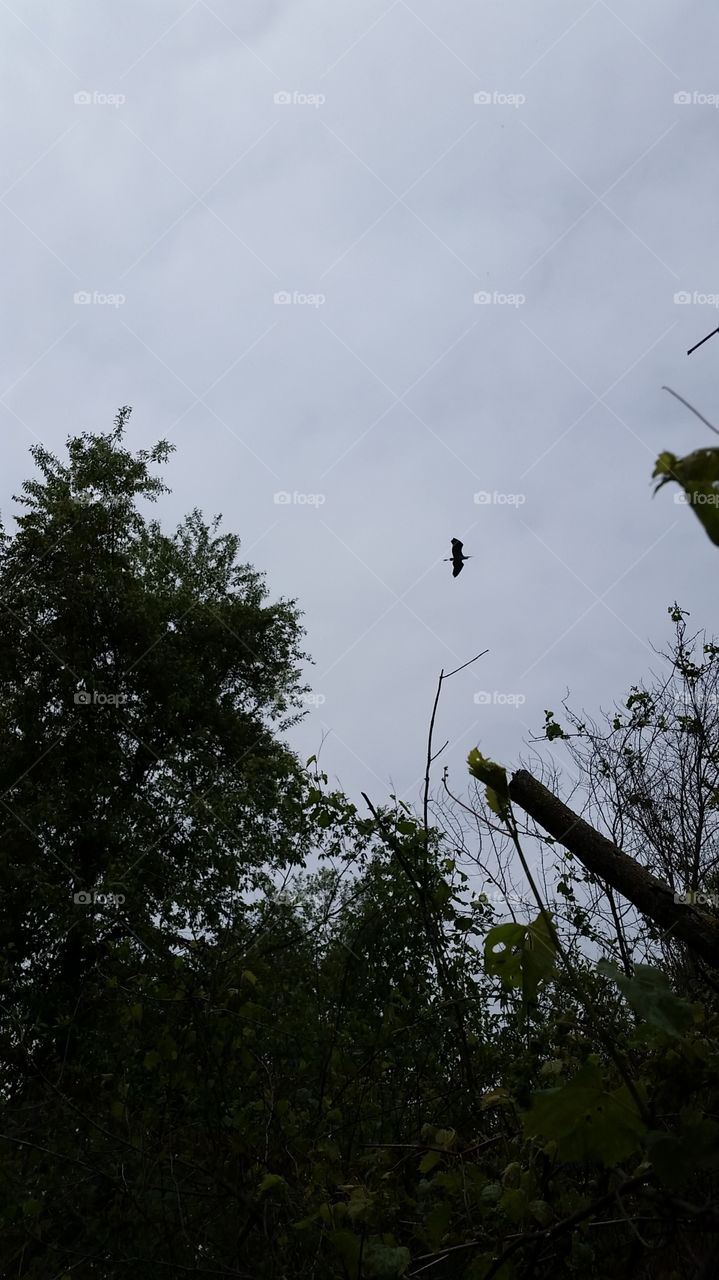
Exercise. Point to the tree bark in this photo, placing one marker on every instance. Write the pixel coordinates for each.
(682, 921)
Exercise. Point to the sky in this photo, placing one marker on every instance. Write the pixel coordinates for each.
(385, 274)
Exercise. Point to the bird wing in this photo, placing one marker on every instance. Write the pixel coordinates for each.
(459, 565)
(457, 547)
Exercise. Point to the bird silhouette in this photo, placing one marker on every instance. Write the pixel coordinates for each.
(457, 557)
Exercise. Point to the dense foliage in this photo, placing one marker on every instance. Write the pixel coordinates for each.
(248, 1032)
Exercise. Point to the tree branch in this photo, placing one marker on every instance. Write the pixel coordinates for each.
(699, 931)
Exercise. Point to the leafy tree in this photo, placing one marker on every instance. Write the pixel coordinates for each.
(144, 679)
(651, 777)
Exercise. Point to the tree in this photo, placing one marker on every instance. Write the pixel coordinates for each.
(143, 681)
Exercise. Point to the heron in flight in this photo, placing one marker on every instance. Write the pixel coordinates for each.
(457, 557)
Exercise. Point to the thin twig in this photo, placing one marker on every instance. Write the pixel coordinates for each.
(430, 757)
(691, 406)
(701, 344)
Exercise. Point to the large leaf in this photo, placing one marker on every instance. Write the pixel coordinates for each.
(494, 778)
(526, 955)
(347, 1245)
(698, 475)
(538, 957)
(676, 1157)
(384, 1262)
(507, 962)
(651, 997)
(587, 1123)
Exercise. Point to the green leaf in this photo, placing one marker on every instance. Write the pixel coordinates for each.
(515, 1204)
(496, 1098)
(347, 1245)
(698, 475)
(269, 1181)
(507, 962)
(360, 1203)
(436, 1224)
(650, 994)
(538, 957)
(526, 957)
(384, 1262)
(494, 778)
(445, 1138)
(429, 1160)
(491, 1193)
(552, 730)
(541, 1211)
(677, 1157)
(151, 1060)
(588, 1123)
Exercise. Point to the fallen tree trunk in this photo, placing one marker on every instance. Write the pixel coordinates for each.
(682, 921)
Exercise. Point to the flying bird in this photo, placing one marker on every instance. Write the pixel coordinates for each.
(457, 557)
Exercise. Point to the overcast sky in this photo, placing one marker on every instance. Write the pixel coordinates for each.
(382, 164)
